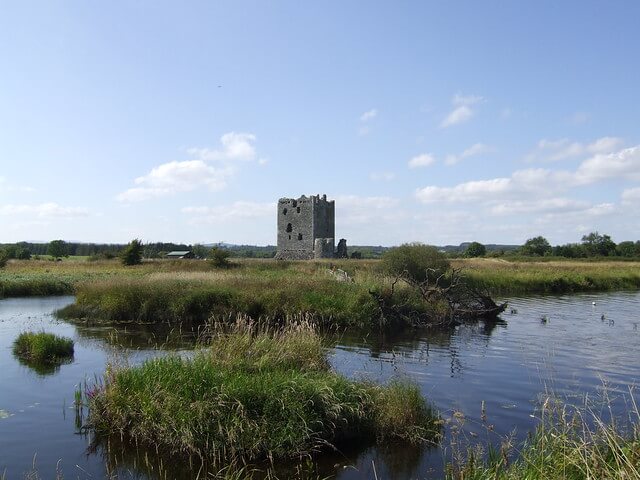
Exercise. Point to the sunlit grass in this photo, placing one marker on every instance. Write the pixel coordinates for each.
(42, 347)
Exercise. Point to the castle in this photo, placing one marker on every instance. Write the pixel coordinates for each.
(306, 228)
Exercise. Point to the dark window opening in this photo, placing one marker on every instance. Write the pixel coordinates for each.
(289, 228)
(294, 203)
(289, 237)
(284, 212)
(298, 209)
(299, 236)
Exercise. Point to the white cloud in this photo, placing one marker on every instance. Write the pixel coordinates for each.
(631, 196)
(353, 209)
(422, 160)
(175, 177)
(7, 187)
(382, 176)
(369, 115)
(465, 192)
(624, 163)
(563, 149)
(235, 146)
(553, 205)
(463, 110)
(472, 151)
(228, 213)
(44, 210)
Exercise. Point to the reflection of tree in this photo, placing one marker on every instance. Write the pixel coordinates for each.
(43, 368)
(124, 459)
(136, 336)
(418, 343)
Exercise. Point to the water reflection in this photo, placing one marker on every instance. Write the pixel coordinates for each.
(495, 375)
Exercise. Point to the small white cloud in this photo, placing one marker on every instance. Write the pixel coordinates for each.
(472, 151)
(624, 163)
(235, 146)
(175, 177)
(5, 186)
(463, 110)
(631, 196)
(44, 210)
(465, 192)
(382, 176)
(229, 213)
(369, 115)
(364, 130)
(563, 149)
(423, 160)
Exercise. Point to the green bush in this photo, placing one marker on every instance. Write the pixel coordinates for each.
(219, 257)
(42, 347)
(475, 249)
(416, 261)
(132, 253)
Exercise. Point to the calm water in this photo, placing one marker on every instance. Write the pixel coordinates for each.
(511, 366)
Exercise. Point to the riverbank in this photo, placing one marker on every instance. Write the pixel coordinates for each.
(337, 292)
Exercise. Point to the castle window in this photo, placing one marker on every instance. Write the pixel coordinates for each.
(284, 212)
(289, 228)
(299, 236)
(289, 237)
(294, 203)
(298, 209)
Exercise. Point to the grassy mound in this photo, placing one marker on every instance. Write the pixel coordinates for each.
(254, 394)
(42, 347)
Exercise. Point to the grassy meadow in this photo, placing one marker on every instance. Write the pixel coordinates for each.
(192, 290)
(254, 393)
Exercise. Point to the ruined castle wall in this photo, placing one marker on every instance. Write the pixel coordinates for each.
(300, 222)
(295, 228)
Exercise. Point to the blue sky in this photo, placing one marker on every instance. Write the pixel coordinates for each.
(439, 122)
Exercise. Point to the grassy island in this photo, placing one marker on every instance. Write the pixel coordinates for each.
(254, 393)
(43, 347)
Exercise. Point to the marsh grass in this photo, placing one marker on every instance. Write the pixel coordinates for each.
(253, 393)
(569, 443)
(501, 277)
(43, 348)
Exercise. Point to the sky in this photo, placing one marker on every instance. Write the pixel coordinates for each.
(426, 121)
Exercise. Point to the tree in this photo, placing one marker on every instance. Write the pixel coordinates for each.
(628, 249)
(219, 257)
(475, 249)
(200, 251)
(4, 258)
(598, 245)
(536, 247)
(132, 253)
(23, 253)
(58, 248)
(416, 261)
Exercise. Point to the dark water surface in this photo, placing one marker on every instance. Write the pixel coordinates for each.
(510, 366)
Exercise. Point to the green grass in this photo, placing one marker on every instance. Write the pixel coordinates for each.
(501, 277)
(252, 394)
(42, 347)
(575, 446)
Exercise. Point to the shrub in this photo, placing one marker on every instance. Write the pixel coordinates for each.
(132, 253)
(58, 248)
(42, 347)
(4, 258)
(417, 261)
(536, 246)
(219, 257)
(475, 249)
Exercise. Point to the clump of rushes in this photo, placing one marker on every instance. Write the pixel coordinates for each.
(576, 445)
(254, 393)
(43, 347)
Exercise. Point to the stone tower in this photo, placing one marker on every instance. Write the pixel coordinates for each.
(306, 228)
